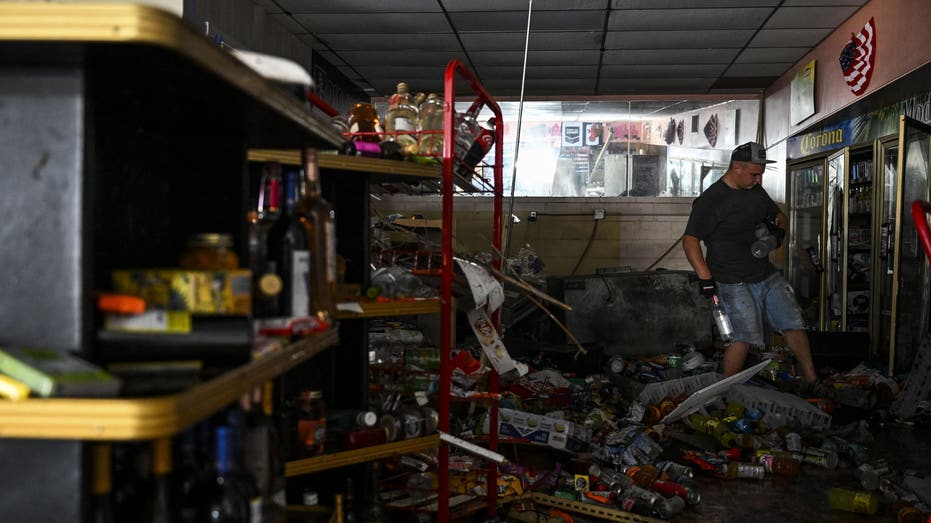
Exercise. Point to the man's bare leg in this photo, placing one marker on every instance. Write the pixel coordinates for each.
(734, 356)
(797, 340)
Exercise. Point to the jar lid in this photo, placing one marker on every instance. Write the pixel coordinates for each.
(210, 239)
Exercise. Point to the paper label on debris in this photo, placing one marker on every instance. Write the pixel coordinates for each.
(486, 291)
(491, 343)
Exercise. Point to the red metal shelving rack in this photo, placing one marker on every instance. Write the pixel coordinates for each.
(455, 69)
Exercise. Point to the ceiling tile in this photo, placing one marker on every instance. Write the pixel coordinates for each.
(824, 2)
(776, 69)
(382, 57)
(690, 4)
(809, 17)
(543, 71)
(358, 6)
(414, 42)
(544, 40)
(669, 56)
(627, 85)
(663, 71)
(537, 57)
(687, 19)
(730, 38)
(789, 37)
(513, 84)
(762, 55)
(381, 23)
(520, 5)
(517, 21)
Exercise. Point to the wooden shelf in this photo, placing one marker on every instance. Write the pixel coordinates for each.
(359, 164)
(351, 457)
(150, 418)
(393, 308)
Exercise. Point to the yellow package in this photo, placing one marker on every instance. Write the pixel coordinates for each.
(197, 292)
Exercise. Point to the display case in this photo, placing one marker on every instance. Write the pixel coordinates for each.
(853, 257)
(906, 321)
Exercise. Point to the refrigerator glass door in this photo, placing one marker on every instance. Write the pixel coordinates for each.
(883, 238)
(805, 249)
(835, 260)
(909, 321)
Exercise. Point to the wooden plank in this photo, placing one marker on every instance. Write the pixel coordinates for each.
(149, 418)
(359, 164)
(351, 457)
(599, 511)
(392, 308)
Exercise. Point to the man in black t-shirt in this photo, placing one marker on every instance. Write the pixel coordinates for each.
(726, 217)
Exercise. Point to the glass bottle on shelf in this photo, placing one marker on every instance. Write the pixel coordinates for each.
(162, 507)
(288, 255)
(102, 487)
(263, 457)
(227, 502)
(364, 123)
(318, 220)
(430, 123)
(401, 119)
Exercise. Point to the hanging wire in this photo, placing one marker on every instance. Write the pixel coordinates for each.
(520, 114)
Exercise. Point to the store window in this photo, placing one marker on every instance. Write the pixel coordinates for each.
(669, 147)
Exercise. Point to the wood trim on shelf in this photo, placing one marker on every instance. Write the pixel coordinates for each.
(599, 511)
(150, 418)
(392, 308)
(351, 457)
(359, 164)
(128, 23)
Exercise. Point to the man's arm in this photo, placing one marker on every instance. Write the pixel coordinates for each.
(692, 247)
(782, 221)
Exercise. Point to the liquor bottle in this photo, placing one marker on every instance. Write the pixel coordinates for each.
(288, 255)
(317, 217)
(364, 123)
(263, 459)
(226, 503)
(401, 118)
(266, 283)
(337, 516)
(194, 476)
(162, 507)
(430, 123)
(349, 509)
(102, 484)
(721, 320)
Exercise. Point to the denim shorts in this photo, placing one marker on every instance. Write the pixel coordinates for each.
(748, 304)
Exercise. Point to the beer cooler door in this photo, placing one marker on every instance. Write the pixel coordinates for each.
(835, 259)
(910, 275)
(806, 239)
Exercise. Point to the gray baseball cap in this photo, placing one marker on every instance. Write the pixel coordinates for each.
(750, 152)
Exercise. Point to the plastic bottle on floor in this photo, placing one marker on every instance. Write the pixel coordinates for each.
(853, 501)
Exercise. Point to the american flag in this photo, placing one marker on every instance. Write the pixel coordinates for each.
(856, 60)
